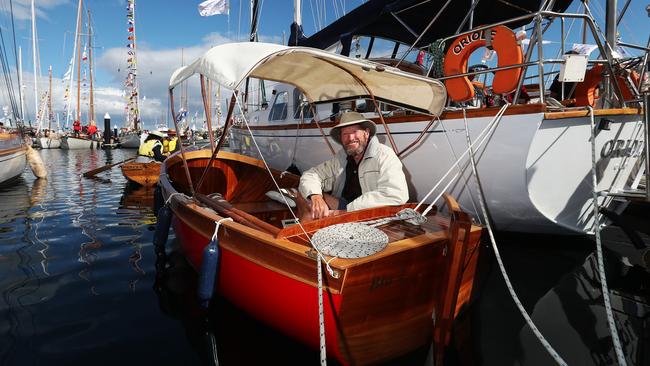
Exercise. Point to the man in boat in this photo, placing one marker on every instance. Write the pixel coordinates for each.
(364, 174)
(152, 147)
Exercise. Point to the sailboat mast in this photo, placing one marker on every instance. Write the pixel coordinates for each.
(90, 71)
(78, 41)
(34, 58)
(50, 116)
(68, 113)
(20, 83)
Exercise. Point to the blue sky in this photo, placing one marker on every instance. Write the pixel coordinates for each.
(165, 29)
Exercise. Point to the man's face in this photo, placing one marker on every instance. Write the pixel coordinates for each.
(354, 139)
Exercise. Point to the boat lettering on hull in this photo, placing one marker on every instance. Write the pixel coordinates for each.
(622, 148)
(379, 282)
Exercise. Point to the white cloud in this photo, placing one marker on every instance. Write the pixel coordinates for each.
(155, 67)
(22, 8)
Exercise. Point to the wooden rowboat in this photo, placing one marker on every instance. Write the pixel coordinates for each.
(144, 174)
(376, 307)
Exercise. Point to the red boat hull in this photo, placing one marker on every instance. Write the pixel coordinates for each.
(283, 303)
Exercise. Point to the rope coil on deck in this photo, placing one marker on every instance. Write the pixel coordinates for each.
(350, 240)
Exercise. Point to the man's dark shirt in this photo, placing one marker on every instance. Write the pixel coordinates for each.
(352, 187)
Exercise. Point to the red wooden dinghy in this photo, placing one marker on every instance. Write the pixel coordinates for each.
(376, 308)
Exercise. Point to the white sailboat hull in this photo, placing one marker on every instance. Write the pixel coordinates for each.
(47, 142)
(12, 157)
(535, 172)
(76, 143)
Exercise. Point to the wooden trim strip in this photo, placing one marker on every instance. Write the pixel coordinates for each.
(597, 112)
(12, 150)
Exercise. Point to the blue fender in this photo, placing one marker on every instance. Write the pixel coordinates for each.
(209, 272)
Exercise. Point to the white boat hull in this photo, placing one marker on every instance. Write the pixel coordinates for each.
(76, 143)
(535, 172)
(47, 142)
(13, 157)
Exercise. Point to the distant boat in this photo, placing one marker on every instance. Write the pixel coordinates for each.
(77, 143)
(130, 140)
(72, 142)
(48, 139)
(144, 174)
(50, 142)
(13, 157)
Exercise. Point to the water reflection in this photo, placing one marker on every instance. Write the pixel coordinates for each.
(76, 269)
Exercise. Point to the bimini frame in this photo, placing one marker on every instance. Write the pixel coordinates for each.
(323, 77)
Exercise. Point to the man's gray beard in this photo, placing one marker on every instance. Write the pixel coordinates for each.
(357, 151)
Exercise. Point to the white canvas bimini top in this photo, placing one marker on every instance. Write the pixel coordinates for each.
(322, 76)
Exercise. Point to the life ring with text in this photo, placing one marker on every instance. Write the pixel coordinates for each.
(585, 92)
(499, 38)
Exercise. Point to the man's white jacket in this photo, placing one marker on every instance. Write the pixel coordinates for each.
(381, 177)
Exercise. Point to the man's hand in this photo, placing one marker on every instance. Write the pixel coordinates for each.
(319, 207)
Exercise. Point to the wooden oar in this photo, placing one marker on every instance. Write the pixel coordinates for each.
(93, 172)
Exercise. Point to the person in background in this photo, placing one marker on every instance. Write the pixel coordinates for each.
(364, 174)
(152, 147)
(92, 130)
(173, 145)
(76, 128)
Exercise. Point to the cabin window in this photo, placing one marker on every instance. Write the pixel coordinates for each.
(279, 109)
(305, 111)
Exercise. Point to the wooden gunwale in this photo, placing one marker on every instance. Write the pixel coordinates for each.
(13, 150)
(597, 112)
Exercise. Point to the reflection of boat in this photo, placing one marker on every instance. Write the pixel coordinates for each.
(144, 174)
(137, 197)
(12, 155)
(380, 298)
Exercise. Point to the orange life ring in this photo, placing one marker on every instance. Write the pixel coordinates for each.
(503, 41)
(585, 93)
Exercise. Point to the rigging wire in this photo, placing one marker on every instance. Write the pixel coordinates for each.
(13, 31)
(7, 74)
